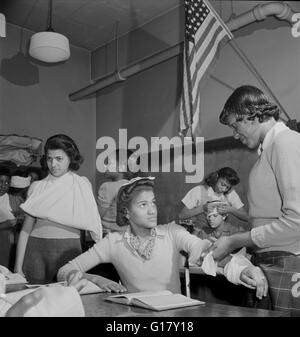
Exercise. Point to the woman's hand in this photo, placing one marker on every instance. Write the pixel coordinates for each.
(107, 284)
(253, 277)
(222, 247)
(225, 209)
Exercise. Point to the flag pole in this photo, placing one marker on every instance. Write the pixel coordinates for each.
(251, 67)
(246, 60)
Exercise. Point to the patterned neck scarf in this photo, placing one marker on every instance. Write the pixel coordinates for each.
(143, 249)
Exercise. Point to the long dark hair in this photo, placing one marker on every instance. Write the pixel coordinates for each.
(225, 172)
(67, 144)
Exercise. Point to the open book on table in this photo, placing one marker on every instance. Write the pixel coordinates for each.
(155, 300)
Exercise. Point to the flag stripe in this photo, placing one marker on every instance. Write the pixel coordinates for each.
(206, 62)
(201, 58)
(205, 34)
(199, 48)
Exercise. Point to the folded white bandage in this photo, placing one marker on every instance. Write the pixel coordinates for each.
(209, 265)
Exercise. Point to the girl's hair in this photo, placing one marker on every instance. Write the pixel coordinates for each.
(251, 102)
(67, 144)
(126, 194)
(225, 172)
(4, 171)
(36, 170)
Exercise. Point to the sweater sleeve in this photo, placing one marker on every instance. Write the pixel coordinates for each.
(99, 253)
(191, 244)
(285, 161)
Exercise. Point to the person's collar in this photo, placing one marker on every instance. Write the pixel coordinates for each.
(270, 135)
(159, 232)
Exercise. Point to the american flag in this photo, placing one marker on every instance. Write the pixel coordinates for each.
(205, 34)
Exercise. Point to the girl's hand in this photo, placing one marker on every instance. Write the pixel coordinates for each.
(224, 209)
(253, 277)
(107, 284)
(76, 280)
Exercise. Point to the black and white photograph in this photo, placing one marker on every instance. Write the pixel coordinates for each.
(149, 161)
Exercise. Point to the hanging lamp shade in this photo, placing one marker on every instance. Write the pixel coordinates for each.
(49, 47)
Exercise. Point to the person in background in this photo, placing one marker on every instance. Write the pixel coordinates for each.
(19, 185)
(7, 218)
(35, 173)
(217, 225)
(273, 195)
(218, 186)
(146, 255)
(58, 207)
(118, 171)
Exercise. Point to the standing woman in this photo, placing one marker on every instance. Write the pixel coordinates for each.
(58, 207)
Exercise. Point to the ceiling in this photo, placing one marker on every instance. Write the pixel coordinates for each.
(90, 24)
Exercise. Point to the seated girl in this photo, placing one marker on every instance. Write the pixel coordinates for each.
(146, 255)
(217, 186)
(217, 225)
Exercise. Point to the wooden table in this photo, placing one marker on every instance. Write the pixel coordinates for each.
(96, 306)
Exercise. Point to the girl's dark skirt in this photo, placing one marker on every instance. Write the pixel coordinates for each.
(44, 257)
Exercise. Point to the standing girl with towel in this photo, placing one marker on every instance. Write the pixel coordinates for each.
(58, 207)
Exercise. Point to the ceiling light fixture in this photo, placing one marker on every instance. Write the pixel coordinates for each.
(49, 46)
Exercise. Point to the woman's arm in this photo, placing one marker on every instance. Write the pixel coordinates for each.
(239, 213)
(239, 270)
(22, 242)
(79, 280)
(188, 213)
(74, 272)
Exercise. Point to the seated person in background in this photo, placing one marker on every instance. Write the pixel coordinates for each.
(217, 225)
(9, 209)
(19, 185)
(146, 255)
(35, 173)
(217, 186)
(118, 172)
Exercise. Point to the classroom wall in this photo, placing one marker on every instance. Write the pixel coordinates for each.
(34, 96)
(147, 103)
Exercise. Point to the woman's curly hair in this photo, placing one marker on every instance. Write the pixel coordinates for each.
(249, 101)
(125, 196)
(225, 172)
(67, 144)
